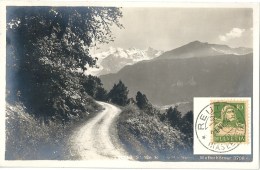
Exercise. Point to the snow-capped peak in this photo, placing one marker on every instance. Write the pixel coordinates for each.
(113, 59)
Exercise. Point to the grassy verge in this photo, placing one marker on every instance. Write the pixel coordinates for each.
(147, 138)
(29, 138)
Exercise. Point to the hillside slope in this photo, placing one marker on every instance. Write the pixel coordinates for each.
(147, 138)
(30, 138)
(169, 81)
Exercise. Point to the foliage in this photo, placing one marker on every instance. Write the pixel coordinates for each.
(174, 116)
(143, 103)
(29, 138)
(131, 100)
(101, 94)
(188, 117)
(94, 87)
(149, 134)
(119, 94)
(141, 100)
(187, 128)
(146, 137)
(46, 45)
(75, 28)
(90, 84)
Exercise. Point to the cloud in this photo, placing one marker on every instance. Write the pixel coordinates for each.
(234, 33)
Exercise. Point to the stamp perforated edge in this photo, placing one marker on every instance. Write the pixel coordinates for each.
(247, 129)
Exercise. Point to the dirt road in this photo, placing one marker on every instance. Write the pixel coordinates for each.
(98, 139)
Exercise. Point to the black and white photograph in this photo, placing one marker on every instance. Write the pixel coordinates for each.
(117, 83)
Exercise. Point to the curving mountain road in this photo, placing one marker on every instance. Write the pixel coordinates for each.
(98, 139)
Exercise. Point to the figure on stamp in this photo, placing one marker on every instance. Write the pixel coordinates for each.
(229, 124)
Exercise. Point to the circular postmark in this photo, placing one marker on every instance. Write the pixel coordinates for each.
(216, 133)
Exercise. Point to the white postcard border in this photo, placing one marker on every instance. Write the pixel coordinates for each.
(122, 164)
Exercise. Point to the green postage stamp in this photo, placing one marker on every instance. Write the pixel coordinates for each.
(230, 121)
(222, 126)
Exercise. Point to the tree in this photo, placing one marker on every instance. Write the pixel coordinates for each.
(45, 47)
(94, 87)
(119, 94)
(188, 117)
(174, 116)
(141, 100)
(101, 94)
(186, 128)
(91, 84)
(187, 124)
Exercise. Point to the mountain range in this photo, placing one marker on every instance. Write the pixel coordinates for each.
(200, 49)
(194, 70)
(114, 59)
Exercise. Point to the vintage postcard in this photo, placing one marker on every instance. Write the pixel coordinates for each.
(103, 84)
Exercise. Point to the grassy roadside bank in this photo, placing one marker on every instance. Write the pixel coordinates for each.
(29, 138)
(147, 138)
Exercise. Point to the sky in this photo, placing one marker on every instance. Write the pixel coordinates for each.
(169, 28)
